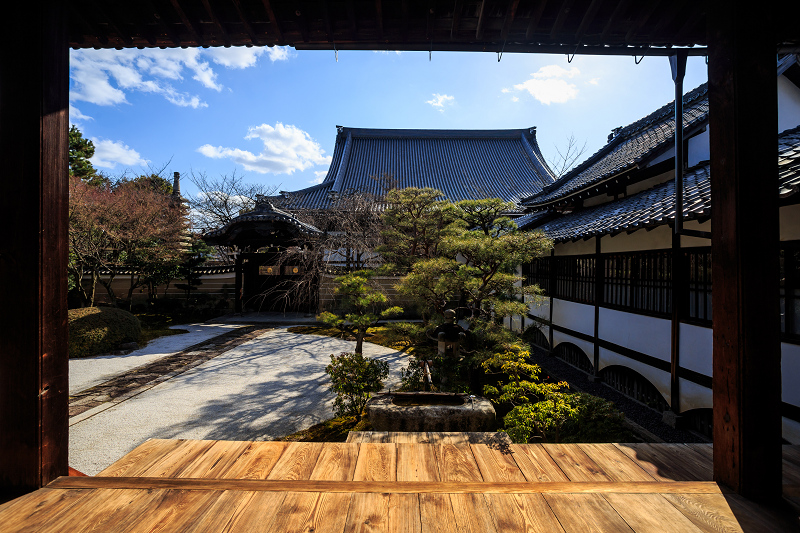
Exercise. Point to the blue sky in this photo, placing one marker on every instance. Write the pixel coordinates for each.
(270, 114)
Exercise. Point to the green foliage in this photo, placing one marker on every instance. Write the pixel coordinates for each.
(567, 417)
(522, 384)
(360, 305)
(96, 330)
(405, 334)
(353, 378)
(80, 151)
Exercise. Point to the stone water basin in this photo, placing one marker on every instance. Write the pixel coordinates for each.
(430, 411)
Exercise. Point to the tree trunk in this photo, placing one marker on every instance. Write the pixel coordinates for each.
(360, 341)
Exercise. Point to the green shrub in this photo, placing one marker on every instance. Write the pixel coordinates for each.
(96, 330)
(567, 417)
(405, 334)
(353, 378)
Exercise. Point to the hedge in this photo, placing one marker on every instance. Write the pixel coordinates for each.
(96, 330)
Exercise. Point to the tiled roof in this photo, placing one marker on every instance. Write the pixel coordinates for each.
(463, 164)
(656, 206)
(629, 146)
(789, 161)
(264, 212)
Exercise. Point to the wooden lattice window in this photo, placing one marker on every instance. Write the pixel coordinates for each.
(638, 281)
(698, 265)
(537, 272)
(574, 278)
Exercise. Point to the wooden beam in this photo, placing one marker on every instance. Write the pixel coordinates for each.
(536, 16)
(648, 8)
(563, 13)
(237, 4)
(34, 84)
(511, 12)
(457, 9)
(742, 88)
(611, 23)
(213, 16)
(588, 16)
(155, 15)
(273, 20)
(481, 12)
(379, 17)
(193, 28)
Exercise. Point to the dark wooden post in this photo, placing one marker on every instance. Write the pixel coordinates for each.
(747, 359)
(34, 84)
(599, 272)
(237, 306)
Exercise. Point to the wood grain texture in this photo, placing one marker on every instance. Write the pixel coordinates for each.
(256, 462)
(32, 511)
(258, 514)
(141, 458)
(215, 461)
(297, 461)
(178, 458)
(617, 465)
(456, 463)
(536, 464)
(710, 513)
(369, 513)
(255, 485)
(665, 462)
(510, 514)
(174, 510)
(575, 463)
(650, 512)
(496, 463)
(376, 462)
(585, 513)
(539, 513)
(222, 513)
(404, 513)
(336, 462)
(436, 514)
(417, 462)
(100, 511)
(472, 514)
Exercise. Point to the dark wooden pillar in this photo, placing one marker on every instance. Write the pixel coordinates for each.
(599, 278)
(747, 364)
(33, 250)
(237, 306)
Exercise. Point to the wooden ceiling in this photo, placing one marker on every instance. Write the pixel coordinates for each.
(558, 26)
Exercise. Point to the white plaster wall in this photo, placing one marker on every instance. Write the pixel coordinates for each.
(694, 396)
(658, 238)
(791, 430)
(669, 154)
(696, 345)
(790, 222)
(788, 104)
(790, 371)
(541, 310)
(646, 334)
(650, 182)
(575, 248)
(659, 378)
(587, 347)
(691, 242)
(699, 149)
(575, 316)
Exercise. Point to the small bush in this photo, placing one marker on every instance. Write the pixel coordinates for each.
(96, 330)
(353, 378)
(567, 417)
(405, 334)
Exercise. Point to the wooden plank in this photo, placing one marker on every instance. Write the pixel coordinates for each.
(584, 513)
(456, 463)
(571, 459)
(454, 438)
(509, 514)
(436, 514)
(29, 512)
(650, 512)
(312, 511)
(753, 516)
(258, 514)
(179, 458)
(496, 464)
(417, 462)
(173, 510)
(256, 462)
(222, 513)
(96, 512)
(336, 462)
(404, 513)
(409, 437)
(472, 513)
(297, 461)
(710, 513)
(217, 460)
(665, 463)
(376, 462)
(141, 458)
(369, 513)
(536, 464)
(616, 464)
(743, 118)
(34, 365)
(259, 485)
(374, 436)
(354, 437)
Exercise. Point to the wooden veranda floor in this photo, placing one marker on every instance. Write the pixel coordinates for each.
(404, 482)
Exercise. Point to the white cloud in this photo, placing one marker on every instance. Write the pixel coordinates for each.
(105, 77)
(594, 81)
(396, 52)
(548, 86)
(319, 176)
(505, 90)
(515, 99)
(440, 100)
(286, 148)
(75, 115)
(109, 154)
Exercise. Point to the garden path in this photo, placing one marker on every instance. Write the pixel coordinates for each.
(267, 387)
